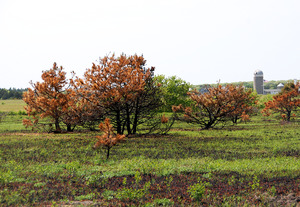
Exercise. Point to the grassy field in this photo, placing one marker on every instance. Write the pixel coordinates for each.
(12, 105)
(252, 164)
(14, 110)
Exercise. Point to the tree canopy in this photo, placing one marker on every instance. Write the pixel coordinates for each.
(123, 89)
(48, 98)
(174, 91)
(284, 103)
(217, 105)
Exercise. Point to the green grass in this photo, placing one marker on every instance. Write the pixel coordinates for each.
(266, 149)
(13, 123)
(12, 105)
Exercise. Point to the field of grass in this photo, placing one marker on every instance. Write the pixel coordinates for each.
(12, 105)
(252, 164)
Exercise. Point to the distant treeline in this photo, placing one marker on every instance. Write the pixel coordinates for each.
(14, 93)
(267, 84)
(11, 93)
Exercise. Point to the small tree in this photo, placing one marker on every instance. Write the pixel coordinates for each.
(218, 105)
(47, 98)
(109, 138)
(285, 103)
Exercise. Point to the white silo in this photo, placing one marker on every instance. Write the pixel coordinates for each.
(258, 82)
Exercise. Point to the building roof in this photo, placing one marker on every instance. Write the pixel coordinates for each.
(280, 85)
(258, 73)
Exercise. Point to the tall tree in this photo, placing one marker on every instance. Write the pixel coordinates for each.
(48, 98)
(121, 87)
(285, 103)
(218, 105)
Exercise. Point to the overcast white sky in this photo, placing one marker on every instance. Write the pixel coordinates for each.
(200, 41)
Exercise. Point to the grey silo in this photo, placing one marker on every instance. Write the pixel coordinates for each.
(258, 82)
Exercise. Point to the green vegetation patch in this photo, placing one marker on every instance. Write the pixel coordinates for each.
(187, 167)
(12, 105)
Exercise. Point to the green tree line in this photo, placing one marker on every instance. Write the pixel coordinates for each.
(248, 84)
(11, 93)
(17, 93)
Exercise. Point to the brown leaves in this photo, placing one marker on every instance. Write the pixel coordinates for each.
(177, 108)
(219, 104)
(116, 79)
(27, 123)
(284, 103)
(109, 138)
(164, 119)
(48, 99)
(245, 117)
(117, 87)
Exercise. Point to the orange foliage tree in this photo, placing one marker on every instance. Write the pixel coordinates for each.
(80, 112)
(47, 98)
(109, 138)
(218, 105)
(121, 87)
(285, 103)
(243, 101)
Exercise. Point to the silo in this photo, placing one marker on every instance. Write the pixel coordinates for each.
(258, 82)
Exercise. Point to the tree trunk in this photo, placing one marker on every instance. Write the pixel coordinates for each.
(209, 124)
(119, 124)
(57, 127)
(128, 120)
(134, 127)
(288, 117)
(107, 154)
(69, 128)
(136, 115)
(235, 119)
(123, 127)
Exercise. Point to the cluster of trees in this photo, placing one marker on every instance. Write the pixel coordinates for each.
(120, 88)
(222, 103)
(11, 93)
(219, 104)
(124, 90)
